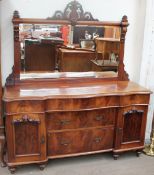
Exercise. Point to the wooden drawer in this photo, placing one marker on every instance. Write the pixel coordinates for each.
(78, 141)
(74, 104)
(134, 99)
(82, 119)
(24, 106)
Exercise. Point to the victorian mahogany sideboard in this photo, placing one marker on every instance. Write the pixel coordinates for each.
(71, 118)
(72, 113)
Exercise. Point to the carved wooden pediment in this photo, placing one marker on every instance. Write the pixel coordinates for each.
(73, 12)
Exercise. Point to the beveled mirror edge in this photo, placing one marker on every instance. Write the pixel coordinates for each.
(14, 77)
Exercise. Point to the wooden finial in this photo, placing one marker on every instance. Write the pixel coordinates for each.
(124, 21)
(124, 18)
(16, 14)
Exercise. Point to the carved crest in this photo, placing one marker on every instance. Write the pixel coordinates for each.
(73, 12)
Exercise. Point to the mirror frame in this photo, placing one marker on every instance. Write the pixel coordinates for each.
(76, 16)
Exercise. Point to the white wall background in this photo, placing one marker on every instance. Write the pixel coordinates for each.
(147, 64)
(101, 9)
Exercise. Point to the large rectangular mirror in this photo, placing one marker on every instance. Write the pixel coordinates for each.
(66, 48)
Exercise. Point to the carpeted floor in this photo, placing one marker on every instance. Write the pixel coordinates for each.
(100, 164)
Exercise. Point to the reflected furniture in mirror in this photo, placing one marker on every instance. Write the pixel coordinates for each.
(75, 60)
(73, 111)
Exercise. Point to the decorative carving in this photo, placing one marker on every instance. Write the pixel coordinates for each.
(10, 79)
(133, 111)
(124, 25)
(73, 12)
(124, 76)
(16, 26)
(25, 118)
(16, 32)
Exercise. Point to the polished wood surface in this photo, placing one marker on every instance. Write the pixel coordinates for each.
(70, 90)
(63, 119)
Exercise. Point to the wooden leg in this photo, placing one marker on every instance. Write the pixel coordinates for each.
(115, 156)
(42, 166)
(12, 170)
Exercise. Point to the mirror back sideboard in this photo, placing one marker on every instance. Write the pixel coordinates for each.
(65, 114)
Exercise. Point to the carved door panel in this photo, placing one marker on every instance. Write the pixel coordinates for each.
(131, 124)
(26, 137)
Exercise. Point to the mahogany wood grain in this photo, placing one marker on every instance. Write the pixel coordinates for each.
(84, 119)
(131, 124)
(26, 139)
(85, 140)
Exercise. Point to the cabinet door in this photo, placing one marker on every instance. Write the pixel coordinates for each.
(130, 130)
(26, 137)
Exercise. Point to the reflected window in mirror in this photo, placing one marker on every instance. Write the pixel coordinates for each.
(87, 32)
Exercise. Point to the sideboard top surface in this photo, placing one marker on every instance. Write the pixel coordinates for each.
(43, 90)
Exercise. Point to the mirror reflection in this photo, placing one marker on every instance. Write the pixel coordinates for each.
(66, 48)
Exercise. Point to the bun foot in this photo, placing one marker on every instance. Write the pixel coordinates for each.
(115, 156)
(138, 153)
(42, 167)
(12, 170)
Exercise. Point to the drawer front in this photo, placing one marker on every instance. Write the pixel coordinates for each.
(82, 119)
(78, 141)
(134, 99)
(81, 103)
(24, 106)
